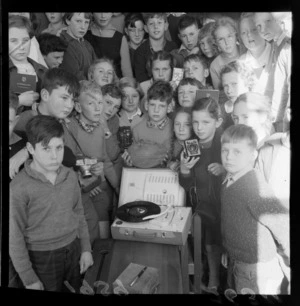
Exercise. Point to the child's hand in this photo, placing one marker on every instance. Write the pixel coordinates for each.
(36, 286)
(187, 163)
(97, 169)
(174, 165)
(95, 191)
(216, 169)
(16, 161)
(224, 260)
(86, 260)
(27, 98)
(60, 30)
(173, 84)
(127, 159)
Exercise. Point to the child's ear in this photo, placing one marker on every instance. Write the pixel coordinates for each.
(170, 107)
(30, 148)
(146, 105)
(146, 28)
(44, 94)
(219, 122)
(77, 107)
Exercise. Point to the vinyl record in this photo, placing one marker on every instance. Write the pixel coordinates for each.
(137, 210)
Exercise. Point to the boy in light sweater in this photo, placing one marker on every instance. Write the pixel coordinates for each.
(255, 224)
(48, 235)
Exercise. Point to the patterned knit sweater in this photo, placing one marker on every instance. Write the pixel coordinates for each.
(254, 223)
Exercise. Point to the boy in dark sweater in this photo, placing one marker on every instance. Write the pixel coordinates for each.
(48, 235)
(255, 224)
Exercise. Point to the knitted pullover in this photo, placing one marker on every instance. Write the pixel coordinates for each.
(44, 217)
(254, 222)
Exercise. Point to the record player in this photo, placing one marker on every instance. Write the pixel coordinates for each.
(159, 186)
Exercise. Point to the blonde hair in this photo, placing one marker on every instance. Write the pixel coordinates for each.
(131, 82)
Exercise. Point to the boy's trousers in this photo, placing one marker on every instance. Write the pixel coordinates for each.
(55, 267)
(263, 278)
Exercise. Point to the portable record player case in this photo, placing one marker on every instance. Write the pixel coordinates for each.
(160, 186)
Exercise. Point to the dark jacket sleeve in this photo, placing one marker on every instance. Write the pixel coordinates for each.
(140, 61)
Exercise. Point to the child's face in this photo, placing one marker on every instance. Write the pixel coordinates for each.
(78, 25)
(13, 119)
(103, 74)
(54, 17)
(187, 95)
(54, 59)
(250, 36)
(47, 158)
(189, 37)
(19, 44)
(241, 114)
(157, 110)
(226, 40)
(90, 106)
(156, 27)
(195, 70)
(130, 102)
(233, 85)
(59, 103)
(136, 34)
(206, 46)
(204, 125)
(183, 126)
(237, 156)
(266, 25)
(161, 70)
(111, 106)
(102, 19)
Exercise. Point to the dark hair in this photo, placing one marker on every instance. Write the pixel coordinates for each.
(187, 21)
(112, 90)
(68, 16)
(56, 77)
(190, 81)
(160, 90)
(246, 73)
(240, 132)
(210, 105)
(206, 31)
(181, 109)
(149, 15)
(41, 129)
(198, 59)
(51, 43)
(21, 22)
(13, 101)
(132, 18)
(161, 55)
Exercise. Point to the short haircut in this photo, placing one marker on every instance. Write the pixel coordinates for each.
(210, 105)
(13, 101)
(240, 132)
(133, 83)
(68, 16)
(20, 22)
(51, 43)
(246, 73)
(132, 18)
(102, 60)
(160, 90)
(89, 87)
(112, 90)
(198, 59)
(56, 77)
(224, 21)
(206, 30)
(180, 110)
(161, 55)
(41, 129)
(190, 81)
(186, 21)
(149, 15)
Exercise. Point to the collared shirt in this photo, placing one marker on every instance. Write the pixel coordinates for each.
(230, 179)
(160, 125)
(137, 113)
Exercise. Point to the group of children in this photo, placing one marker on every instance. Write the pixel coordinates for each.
(108, 100)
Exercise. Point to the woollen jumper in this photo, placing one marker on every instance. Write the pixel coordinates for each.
(44, 217)
(254, 222)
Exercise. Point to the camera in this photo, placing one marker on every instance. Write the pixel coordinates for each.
(192, 147)
(84, 165)
(125, 137)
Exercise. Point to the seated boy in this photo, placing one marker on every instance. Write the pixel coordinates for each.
(255, 224)
(59, 88)
(156, 25)
(52, 48)
(48, 235)
(90, 142)
(188, 29)
(155, 129)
